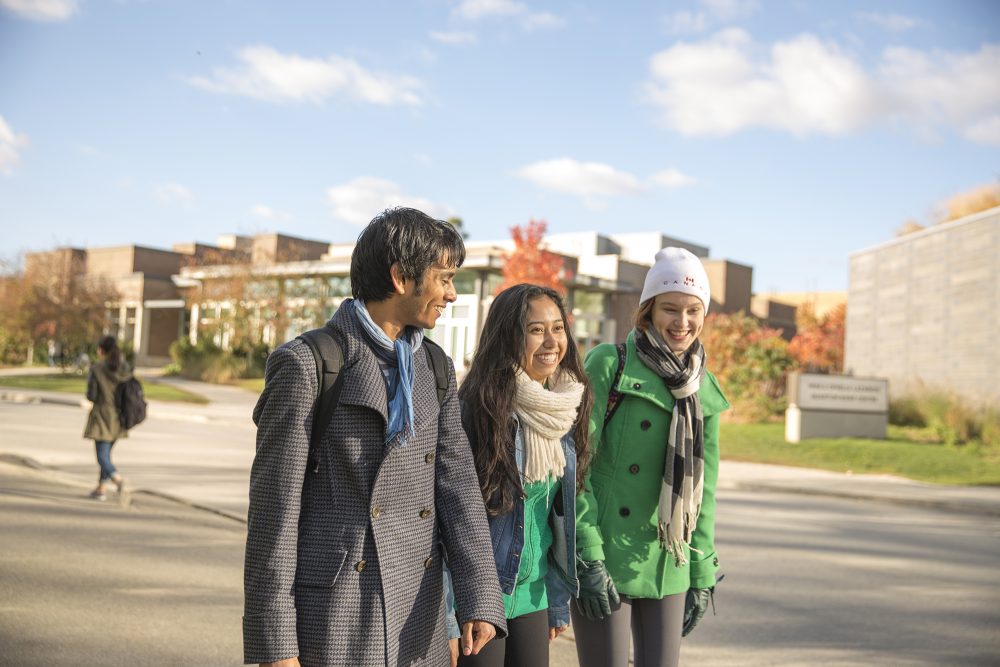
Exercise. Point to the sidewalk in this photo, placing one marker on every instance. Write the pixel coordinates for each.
(231, 406)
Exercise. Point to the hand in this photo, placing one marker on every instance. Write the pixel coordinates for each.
(695, 604)
(287, 662)
(453, 650)
(555, 632)
(475, 635)
(597, 592)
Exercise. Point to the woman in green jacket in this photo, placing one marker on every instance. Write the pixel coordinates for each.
(646, 518)
(103, 426)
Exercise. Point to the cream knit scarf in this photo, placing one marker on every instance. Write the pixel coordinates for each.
(546, 415)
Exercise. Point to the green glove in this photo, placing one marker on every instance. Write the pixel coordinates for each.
(597, 591)
(695, 604)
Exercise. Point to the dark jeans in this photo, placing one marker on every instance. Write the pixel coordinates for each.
(108, 469)
(526, 645)
(654, 626)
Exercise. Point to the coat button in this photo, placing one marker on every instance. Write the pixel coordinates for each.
(624, 511)
(715, 562)
(428, 562)
(360, 565)
(637, 385)
(424, 513)
(645, 424)
(429, 457)
(376, 512)
(634, 468)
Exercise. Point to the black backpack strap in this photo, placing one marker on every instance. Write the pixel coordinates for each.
(438, 362)
(615, 397)
(329, 360)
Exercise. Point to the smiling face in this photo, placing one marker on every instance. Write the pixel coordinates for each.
(544, 339)
(679, 318)
(421, 304)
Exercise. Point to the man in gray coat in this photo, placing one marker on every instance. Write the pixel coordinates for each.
(343, 565)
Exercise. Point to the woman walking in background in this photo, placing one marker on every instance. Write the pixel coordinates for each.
(103, 425)
(646, 520)
(525, 403)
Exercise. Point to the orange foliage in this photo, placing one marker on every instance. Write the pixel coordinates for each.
(976, 200)
(529, 262)
(819, 344)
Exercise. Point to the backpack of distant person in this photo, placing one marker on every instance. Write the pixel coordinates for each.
(130, 400)
(330, 359)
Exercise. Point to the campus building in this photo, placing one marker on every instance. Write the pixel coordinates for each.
(270, 287)
(603, 275)
(924, 309)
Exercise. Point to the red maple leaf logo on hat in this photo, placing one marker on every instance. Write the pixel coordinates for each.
(689, 281)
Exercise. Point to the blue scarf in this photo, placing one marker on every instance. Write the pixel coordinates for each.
(398, 354)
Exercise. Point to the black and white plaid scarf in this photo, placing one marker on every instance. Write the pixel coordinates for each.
(684, 466)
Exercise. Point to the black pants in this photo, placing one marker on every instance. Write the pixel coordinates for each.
(654, 626)
(526, 645)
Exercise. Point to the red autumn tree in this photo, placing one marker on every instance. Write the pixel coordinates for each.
(818, 345)
(750, 362)
(530, 262)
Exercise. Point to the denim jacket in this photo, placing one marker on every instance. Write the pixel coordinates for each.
(507, 535)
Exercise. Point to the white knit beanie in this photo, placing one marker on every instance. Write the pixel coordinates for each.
(677, 270)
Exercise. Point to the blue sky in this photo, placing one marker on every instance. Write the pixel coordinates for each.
(783, 135)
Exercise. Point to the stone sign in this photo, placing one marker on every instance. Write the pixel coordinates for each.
(836, 406)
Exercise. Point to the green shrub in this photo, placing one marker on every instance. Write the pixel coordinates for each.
(208, 362)
(952, 419)
(906, 411)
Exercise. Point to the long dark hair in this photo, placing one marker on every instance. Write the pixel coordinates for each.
(488, 395)
(112, 355)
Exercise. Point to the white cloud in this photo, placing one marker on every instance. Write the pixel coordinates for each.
(672, 178)
(173, 193)
(726, 83)
(728, 10)
(985, 132)
(891, 22)
(593, 180)
(262, 211)
(473, 10)
(957, 90)
(267, 74)
(456, 37)
(542, 21)
(713, 12)
(360, 200)
(41, 10)
(580, 178)
(10, 145)
(477, 10)
(686, 21)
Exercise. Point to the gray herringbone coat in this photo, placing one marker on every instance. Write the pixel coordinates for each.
(343, 566)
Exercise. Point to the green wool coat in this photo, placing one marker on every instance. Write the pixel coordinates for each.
(102, 422)
(617, 511)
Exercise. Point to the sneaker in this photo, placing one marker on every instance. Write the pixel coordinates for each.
(98, 494)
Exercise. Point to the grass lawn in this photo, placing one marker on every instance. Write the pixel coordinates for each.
(897, 455)
(77, 384)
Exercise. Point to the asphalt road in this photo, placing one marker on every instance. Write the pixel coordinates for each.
(809, 580)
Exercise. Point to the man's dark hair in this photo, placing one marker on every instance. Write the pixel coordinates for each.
(405, 236)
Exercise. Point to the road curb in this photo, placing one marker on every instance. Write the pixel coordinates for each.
(34, 399)
(951, 505)
(32, 464)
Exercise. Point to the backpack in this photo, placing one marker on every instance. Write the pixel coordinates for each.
(130, 401)
(329, 360)
(615, 397)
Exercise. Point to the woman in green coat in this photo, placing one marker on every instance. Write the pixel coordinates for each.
(646, 518)
(103, 426)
